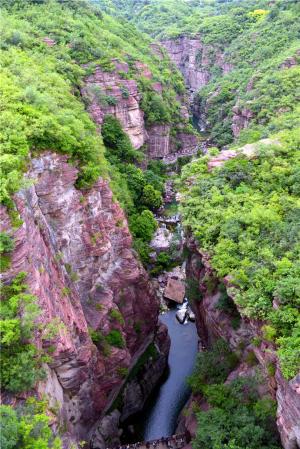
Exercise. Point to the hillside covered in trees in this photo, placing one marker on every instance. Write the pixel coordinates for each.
(75, 183)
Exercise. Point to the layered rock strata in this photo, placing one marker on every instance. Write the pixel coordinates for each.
(111, 93)
(75, 247)
(195, 59)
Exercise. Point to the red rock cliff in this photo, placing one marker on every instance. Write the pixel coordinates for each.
(111, 93)
(76, 248)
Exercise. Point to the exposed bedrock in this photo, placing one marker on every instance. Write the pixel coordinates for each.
(195, 60)
(76, 248)
(214, 323)
(110, 93)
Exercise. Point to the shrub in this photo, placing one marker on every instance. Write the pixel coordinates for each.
(151, 198)
(237, 418)
(18, 313)
(244, 216)
(116, 315)
(269, 332)
(96, 336)
(116, 141)
(213, 366)
(143, 225)
(251, 359)
(163, 262)
(122, 371)
(6, 243)
(27, 427)
(115, 338)
(271, 368)
(192, 290)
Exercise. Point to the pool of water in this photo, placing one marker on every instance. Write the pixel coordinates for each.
(159, 417)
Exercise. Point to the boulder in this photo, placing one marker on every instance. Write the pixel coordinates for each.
(175, 290)
(190, 314)
(181, 315)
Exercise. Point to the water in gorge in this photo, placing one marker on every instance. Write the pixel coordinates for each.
(159, 417)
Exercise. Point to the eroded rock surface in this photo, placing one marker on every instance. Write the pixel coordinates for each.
(195, 59)
(110, 93)
(76, 248)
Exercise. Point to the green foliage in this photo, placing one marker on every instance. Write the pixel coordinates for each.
(251, 359)
(117, 142)
(163, 262)
(39, 112)
(237, 418)
(6, 243)
(269, 332)
(143, 225)
(123, 371)
(245, 215)
(18, 355)
(6, 246)
(227, 305)
(137, 190)
(116, 315)
(27, 427)
(151, 198)
(150, 354)
(115, 338)
(258, 84)
(213, 366)
(46, 50)
(96, 336)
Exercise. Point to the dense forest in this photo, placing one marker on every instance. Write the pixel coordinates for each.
(243, 209)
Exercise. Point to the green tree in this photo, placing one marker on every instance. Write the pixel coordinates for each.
(151, 198)
(143, 225)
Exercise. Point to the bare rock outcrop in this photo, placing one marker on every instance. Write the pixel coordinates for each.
(111, 93)
(195, 59)
(241, 119)
(75, 247)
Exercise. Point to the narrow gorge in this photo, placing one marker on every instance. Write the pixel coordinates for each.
(150, 224)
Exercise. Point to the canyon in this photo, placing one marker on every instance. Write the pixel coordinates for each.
(108, 348)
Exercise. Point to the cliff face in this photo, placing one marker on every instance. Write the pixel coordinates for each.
(103, 88)
(214, 323)
(194, 59)
(76, 248)
(110, 93)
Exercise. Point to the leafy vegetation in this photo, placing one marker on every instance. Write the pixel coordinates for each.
(213, 366)
(258, 85)
(27, 427)
(139, 192)
(245, 215)
(47, 47)
(256, 38)
(237, 417)
(18, 354)
(115, 338)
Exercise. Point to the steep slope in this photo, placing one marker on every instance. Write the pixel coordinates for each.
(240, 61)
(74, 291)
(244, 262)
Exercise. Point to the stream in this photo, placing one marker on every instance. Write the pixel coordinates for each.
(160, 415)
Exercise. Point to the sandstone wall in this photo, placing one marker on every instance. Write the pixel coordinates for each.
(76, 248)
(195, 59)
(101, 87)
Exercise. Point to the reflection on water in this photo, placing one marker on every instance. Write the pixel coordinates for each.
(160, 416)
